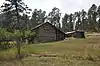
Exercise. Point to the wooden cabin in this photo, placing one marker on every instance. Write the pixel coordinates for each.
(47, 32)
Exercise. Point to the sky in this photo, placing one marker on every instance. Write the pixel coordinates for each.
(66, 6)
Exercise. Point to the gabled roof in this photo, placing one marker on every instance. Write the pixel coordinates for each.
(46, 23)
(38, 26)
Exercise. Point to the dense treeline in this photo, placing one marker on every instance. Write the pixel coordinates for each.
(81, 20)
(8, 19)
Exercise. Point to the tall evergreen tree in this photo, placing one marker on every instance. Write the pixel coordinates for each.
(83, 20)
(54, 17)
(18, 6)
(70, 22)
(65, 23)
(13, 8)
(78, 22)
(92, 15)
(38, 17)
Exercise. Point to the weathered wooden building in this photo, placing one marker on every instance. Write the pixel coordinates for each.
(80, 34)
(47, 32)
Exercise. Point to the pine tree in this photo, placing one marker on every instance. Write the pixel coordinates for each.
(17, 6)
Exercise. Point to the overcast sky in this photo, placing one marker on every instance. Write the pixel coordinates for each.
(66, 6)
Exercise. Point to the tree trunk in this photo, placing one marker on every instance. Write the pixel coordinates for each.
(18, 49)
(18, 41)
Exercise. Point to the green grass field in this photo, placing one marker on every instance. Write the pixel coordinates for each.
(70, 52)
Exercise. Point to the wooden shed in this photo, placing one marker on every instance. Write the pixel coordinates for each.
(47, 32)
(79, 34)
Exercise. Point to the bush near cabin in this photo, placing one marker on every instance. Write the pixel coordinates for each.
(8, 39)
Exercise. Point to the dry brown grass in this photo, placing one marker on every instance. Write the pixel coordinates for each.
(72, 52)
